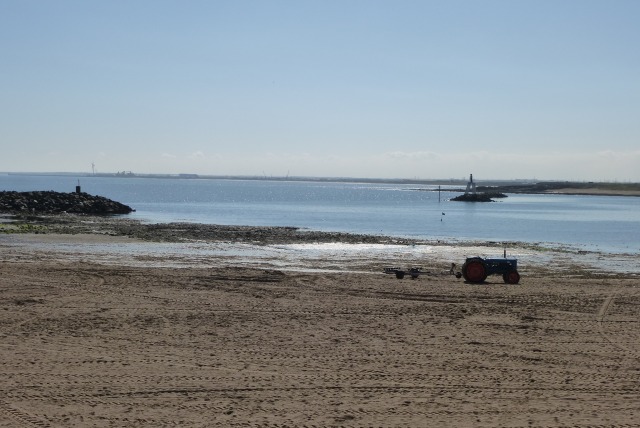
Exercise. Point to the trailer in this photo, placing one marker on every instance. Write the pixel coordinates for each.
(415, 272)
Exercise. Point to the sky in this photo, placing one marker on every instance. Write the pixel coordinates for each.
(509, 89)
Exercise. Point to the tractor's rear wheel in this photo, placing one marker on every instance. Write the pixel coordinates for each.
(474, 270)
(399, 274)
(512, 277)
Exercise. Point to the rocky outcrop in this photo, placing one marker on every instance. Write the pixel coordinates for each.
(479, 197)
(49, 202)
(192, 232)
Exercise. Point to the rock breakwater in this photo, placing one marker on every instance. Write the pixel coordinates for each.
(479, 197)
(50, 202)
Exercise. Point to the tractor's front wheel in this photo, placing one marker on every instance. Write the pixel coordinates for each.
(474, 270)
(512, 277)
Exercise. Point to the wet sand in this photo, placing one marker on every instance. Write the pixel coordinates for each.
(157, 337)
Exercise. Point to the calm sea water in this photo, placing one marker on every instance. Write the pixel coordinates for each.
(600, 223)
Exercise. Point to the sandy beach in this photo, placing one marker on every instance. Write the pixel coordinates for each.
(114, 324)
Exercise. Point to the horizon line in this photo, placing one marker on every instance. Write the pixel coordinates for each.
(130, 174)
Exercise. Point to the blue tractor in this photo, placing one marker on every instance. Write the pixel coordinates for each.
(476, 269)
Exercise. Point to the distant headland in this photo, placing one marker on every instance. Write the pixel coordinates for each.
(567, 188)
(474, 193)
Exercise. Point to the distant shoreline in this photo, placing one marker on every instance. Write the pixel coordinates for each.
(569, 188)
(595, 192)
(503, 186)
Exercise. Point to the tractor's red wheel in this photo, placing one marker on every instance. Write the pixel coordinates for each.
(512, 277)
(474, 271)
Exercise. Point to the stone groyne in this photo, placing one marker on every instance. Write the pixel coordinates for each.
(49, 202)
(479, 197)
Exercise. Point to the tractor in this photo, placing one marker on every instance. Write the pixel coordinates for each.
(476, 269)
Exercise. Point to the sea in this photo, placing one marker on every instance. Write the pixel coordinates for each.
(606, 224)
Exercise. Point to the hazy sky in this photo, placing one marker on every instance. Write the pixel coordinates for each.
(399, 89)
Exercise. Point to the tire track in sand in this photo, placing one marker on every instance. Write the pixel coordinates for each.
(22, 418)
(602, 314)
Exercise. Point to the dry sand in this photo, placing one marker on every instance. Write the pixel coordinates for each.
(90, 339)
